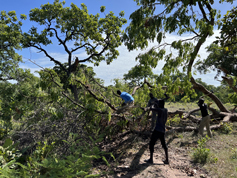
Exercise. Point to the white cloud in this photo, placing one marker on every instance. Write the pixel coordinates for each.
(126, 61)
(121, 65)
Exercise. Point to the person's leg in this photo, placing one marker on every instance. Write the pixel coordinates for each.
(209, 133)
(151, 146)
(163, 143)
(201, 126)
(153, 121)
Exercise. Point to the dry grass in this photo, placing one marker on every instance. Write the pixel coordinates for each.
(222, 161)
(190, 106)
(223, 148)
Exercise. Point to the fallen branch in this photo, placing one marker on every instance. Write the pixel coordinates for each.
(182, 129)
(228, 116)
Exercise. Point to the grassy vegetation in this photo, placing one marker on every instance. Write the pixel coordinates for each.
(218, 155)
(224, 148)
(189, 106)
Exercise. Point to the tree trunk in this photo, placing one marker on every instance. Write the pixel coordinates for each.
(75, 92)
(230, 82)
(201, 88)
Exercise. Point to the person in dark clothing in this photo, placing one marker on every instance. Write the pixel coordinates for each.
(205, 122)
(151, 103)
(159, 131)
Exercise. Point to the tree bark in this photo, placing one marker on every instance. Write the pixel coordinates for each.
(230, 82)
(201, 88)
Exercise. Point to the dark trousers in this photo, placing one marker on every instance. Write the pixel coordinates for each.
(154, 137)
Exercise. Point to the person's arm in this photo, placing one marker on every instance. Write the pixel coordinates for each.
(166, 97)
(155, 109)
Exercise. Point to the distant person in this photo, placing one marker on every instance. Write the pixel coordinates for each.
(205, 122)
(128, 99)
(159, 131)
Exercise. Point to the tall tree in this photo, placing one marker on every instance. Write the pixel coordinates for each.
(157, 18)
(222, 57)
(137, 74)
(98, 37)
(10, 36)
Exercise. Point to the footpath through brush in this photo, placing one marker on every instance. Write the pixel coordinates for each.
(133, 150)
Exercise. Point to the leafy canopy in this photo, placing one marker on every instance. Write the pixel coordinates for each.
(75, 29)
(10, 36)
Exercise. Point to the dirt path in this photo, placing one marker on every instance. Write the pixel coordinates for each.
(132, 164)
(179, 166)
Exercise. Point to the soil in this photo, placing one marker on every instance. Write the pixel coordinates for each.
(131, 150)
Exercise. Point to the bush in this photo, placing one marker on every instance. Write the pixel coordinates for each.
(201, 153)
(234, 154)
(44, 163)
(226, 128)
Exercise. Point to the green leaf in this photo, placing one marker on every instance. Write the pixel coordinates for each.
(8, 142)
(102, 8)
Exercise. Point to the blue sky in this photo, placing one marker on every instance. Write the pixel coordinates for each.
(118, 67)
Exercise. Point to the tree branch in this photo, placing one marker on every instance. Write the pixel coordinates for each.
(50, 57)
(94, 95)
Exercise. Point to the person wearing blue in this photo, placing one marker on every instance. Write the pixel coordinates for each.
(128, 99)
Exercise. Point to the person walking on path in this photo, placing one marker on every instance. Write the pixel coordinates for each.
(128, 100)
(205, 122)
(159, 131)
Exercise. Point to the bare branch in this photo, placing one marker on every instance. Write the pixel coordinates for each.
(50, 57)
(203, 11)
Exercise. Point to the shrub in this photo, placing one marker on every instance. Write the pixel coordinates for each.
(226, 128)
(201, 153)
(234, 154)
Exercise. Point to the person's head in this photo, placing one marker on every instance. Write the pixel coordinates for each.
(119, 92)
(201, 101)
(161, 103)
(151, 95)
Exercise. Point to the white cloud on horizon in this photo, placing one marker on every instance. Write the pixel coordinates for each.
(126, 61)
(121, 65)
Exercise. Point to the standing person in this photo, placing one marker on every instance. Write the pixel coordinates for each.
(205, 122)
(159, 132)
(128, 99)
(153, 102)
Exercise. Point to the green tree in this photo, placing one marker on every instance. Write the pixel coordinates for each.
(222, 52)
(137, 74)
(17, 99)
(10, 37)
(157, 18)
(98, 37)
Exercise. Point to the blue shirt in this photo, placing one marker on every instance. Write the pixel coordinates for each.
(126, 97)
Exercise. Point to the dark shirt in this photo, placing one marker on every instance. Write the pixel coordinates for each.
(161, 119)
(203, 109)
(152, 102)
